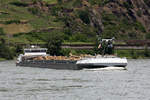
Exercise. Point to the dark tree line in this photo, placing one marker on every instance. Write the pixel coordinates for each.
(5, 51)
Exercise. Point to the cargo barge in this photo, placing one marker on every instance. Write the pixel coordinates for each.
(37, 57)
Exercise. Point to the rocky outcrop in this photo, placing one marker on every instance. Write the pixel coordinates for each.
(132, 10)
(95, 19)
(142, 12)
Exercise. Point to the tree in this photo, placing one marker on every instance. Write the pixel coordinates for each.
(60, 1)
(147, 36)
(2, 31)
(5, 51)
(54, 43)
(84, 16)
(146, 51)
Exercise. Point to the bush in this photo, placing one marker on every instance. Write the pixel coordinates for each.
(34, 11)
(99, 2)
(65, 52)
(59, 1)
(110, 31)
(146, 52)
(139, 13)
(5, 51)
(35, 1)
(139, 26)
(79, 37)
(84, 16)
(134, 54)
(81, 51)
(84, 51)
(132, 35)
(18, 49)
(77, 3)
(107, 18)
(55, 10)
(12, 21)
(147, 36)
(127, 4)
(54, 43)
(106, 1)
(2, 31)
(18, 3)
(68, 31)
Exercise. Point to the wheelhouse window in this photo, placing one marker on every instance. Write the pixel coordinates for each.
(31, 51)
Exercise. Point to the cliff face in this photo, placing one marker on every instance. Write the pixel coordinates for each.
(141, 12)
(135, 12)
(124, 19)
(132, 9)
(76, 19)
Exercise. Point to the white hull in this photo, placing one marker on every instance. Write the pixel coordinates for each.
(102, 62)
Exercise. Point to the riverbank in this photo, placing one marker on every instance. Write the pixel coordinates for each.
(133, 54)
(2, 59)
(128, 51)
(129, 54)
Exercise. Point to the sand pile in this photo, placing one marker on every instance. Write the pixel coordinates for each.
(57, 58)
(71, 57)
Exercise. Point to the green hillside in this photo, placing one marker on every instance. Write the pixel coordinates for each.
(32, 21)
(70, 21)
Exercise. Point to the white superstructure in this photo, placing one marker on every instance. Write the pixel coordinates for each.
(33, 51)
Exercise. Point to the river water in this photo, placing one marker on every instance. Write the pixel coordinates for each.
(24, 83)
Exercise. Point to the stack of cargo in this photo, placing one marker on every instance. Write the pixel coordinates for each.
(72, 57)
(56, 58)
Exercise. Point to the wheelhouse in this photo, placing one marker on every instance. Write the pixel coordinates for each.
(35, 51)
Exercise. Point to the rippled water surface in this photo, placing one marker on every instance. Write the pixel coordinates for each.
(22, 83)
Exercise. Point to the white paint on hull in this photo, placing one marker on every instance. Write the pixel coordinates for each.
(103, 61)
(106, 69)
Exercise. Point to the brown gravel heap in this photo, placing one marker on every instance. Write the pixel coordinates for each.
(57, 58)
(72, 57)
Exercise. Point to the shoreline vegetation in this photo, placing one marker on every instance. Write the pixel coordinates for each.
(9, 53)
(2, 59)
(125, 53)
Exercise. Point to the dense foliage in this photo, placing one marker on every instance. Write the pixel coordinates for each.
(78, 20)
(5, 51)
(54, 43)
